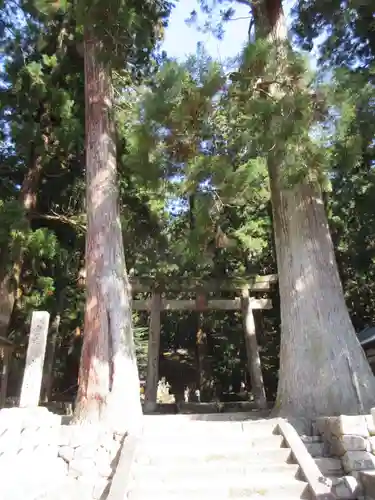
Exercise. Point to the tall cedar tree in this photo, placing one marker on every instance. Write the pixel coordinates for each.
(108, 380)
(323, 369)
(116, 36)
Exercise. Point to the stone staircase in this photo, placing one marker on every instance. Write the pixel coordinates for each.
(217, 456)
(343, 487)
(329, 467)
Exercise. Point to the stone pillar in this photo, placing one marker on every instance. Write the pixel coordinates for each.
(32, 377)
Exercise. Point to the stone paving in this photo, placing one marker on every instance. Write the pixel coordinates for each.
(42, 459)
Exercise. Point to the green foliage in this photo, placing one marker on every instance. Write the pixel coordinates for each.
(126, 29)
(141, 348)
(353, 188)
(12, 223)
(193, 144)
(347, 27)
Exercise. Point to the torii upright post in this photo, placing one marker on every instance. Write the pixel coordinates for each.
(153, 354)
(252, 351)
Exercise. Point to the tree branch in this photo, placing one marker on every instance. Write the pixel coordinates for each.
(78, 222)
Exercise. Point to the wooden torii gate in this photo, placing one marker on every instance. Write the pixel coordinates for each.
(243, 287)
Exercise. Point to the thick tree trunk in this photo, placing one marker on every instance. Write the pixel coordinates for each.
(109, 389)
(323, 369)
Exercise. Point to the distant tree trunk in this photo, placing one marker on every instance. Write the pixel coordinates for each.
(323, 369)
(203, 359)
(10, 272)
(203, 382)
(50, 358)
(52, 341)
(109, 390)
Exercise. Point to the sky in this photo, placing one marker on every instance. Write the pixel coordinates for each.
(181, 40)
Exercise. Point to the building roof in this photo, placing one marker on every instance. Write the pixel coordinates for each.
(367, 336)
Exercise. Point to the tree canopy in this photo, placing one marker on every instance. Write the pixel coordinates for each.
(193, 142)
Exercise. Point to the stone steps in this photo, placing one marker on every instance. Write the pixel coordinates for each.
(214, 429)
(342, 487)
(226, 481)
(212, 468)
(293, 488)
(215, 495)
(247, 455)
(311, 439)
(181, 458)
(253, 416)
(241, 439)
(197, 449)
(329, 466)
(316, 449)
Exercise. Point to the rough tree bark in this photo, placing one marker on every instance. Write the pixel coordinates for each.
(109, 389)
(323, 369)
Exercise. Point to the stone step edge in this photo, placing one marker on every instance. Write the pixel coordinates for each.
(268, 480)
(254, 466)
(152, 489)
(309, 468)
(207, 452)
(256, 496)
(329, 464)
(214, 458)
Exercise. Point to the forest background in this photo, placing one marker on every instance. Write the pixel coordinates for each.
(184, 211)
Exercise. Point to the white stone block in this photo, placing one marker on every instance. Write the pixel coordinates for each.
(112, 447)
(357, 461)
(103, 463)
(102, 456)
(74, 489)
(61, 467)
(87, 484)
(346, 487)
(105, 470)
(66, 453)
(32, 378)
(64, 435)
(86, 451)
(11, 418)
(99, 487)
(348, 424)
(85, 435)
(10, 440)
(354, 443)
(370, 424)
(82, 467)
(321, 425)
(372, 444)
